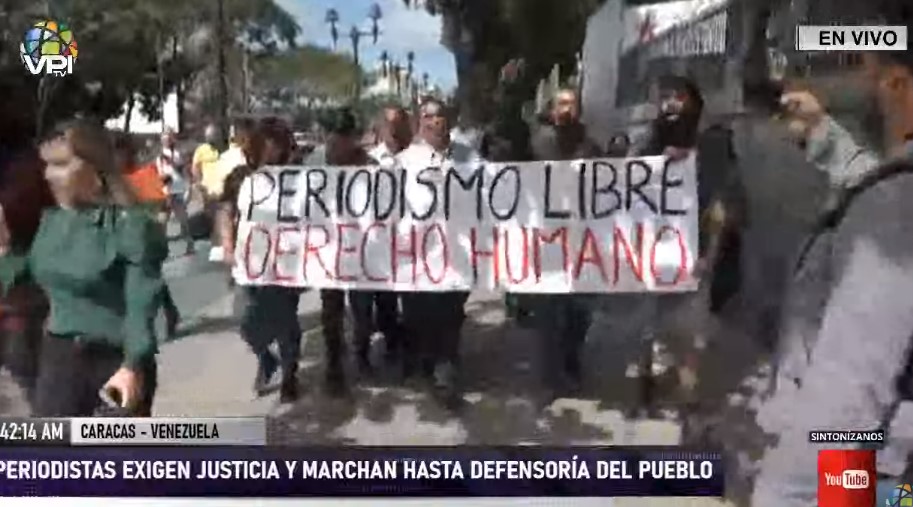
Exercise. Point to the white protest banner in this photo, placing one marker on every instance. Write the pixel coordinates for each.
(590, 226)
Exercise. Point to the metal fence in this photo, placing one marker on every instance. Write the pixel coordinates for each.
(703, 48)
(696, 49)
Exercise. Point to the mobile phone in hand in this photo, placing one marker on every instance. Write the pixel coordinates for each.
(111, 404)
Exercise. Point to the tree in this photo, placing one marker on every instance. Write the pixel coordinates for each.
(296, 81)
(144, 47)
(311, 69)
(254, 28)
(485, 34)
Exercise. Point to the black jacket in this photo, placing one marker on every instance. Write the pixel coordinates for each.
(546, 144)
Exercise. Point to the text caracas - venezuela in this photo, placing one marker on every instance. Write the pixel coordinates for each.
(164, 431)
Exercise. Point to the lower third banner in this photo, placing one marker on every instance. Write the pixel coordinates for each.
(290, 472)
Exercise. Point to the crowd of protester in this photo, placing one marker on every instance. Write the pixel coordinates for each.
(81, 331)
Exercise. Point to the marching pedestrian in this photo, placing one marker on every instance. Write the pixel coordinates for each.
(832, 150)
(434, 320)
(270, 312)
(722, 213)
(855, 276)
(562, 320)
(379, 310)
(173, 171)
(343, 148)
(240, 140)
(507, 139)
(147, 188)
(24, 194)
(204, 167)
(98, 258)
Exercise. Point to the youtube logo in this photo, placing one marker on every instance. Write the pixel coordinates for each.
(846, 478)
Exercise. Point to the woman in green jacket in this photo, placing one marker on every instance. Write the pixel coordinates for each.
(98, 257)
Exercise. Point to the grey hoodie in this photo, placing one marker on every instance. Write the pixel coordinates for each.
(849, 321)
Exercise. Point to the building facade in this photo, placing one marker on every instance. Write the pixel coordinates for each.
(721, 48)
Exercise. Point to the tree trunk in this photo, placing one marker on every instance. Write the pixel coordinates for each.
(178, 85)
(479, 49)
(222, 70)
(46, 91)
(131, 102)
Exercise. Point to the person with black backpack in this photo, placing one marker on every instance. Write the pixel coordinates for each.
(855, 311)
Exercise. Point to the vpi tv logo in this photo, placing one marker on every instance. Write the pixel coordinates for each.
(48, 48)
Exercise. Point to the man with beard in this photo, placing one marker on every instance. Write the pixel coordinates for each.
(722, 209)
(434, 320)
(562, 320)
(855, 277)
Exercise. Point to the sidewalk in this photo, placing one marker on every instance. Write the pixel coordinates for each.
(210, 373)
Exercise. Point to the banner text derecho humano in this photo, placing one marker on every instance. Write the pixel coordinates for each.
(589, 226)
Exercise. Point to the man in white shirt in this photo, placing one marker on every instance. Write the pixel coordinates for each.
(379, 310)
(395, 136)
(172, 169)
(434, 319)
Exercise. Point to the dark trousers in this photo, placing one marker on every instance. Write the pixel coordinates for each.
(271, 315)
(375, 311)
(433, 321)
(73, 371)
(211, 209)
(168, 305)
(562, 322)
(332, 319)
(22, 316)
(727, 272)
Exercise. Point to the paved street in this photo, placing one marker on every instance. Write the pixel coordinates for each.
(209, 371)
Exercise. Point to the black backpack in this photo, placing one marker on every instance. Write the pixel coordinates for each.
(832, 217)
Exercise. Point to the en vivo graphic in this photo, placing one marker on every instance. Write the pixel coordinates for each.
(48, 48)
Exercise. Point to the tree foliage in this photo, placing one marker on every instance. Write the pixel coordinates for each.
(486, 34)
(309, 69)
(124, 44)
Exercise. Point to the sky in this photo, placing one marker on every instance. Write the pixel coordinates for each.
(402, 30)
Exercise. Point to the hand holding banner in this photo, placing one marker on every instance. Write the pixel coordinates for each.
(593, 226)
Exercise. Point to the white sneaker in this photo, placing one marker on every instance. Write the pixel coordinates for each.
(216, 254)
(662, 359)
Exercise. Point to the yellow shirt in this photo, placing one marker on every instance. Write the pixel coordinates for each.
(228, 161)
(205, 157)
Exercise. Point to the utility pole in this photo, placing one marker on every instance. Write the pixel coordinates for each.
(375, 15)
(160, 70)
(223, 84)
(355, 34)
(245, 68)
